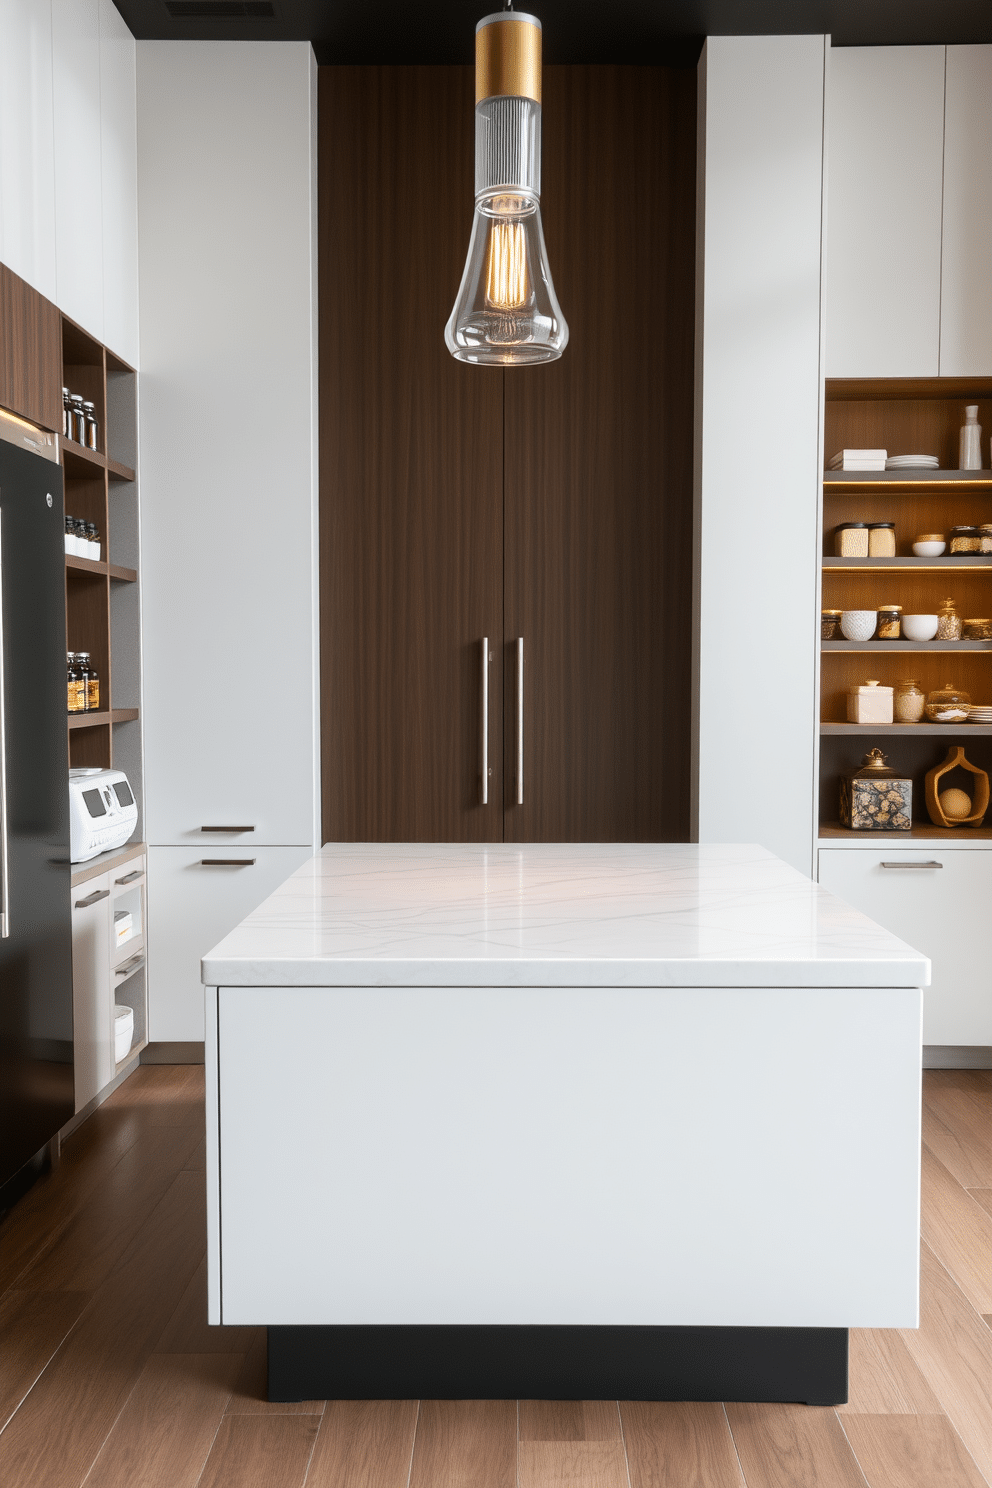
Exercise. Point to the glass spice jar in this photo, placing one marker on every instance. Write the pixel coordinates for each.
(965, 540)
(889, 622)
(77, 419)
(881, 539)
(948, 622)
(977, 630)
(92, 679)
(851, 540)
(948, 704)
(908, 701)
(830, 624)
(985, 537)
(76, 697)
(90, 427)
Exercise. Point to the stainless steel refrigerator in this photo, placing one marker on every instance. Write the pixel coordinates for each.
(36, 1085)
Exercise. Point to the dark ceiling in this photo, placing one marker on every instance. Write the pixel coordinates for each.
(387, 31)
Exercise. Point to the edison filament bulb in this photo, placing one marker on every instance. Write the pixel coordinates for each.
(506, 312)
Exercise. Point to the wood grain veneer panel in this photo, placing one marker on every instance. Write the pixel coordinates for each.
(976, 1082)
(465, 1442)
(572, 1464)
(598, 485)
(958, 1231)
(56, 1434)
(568, 1420)
(905, 426)
(30, 352)
(884, 1378)
(188, 1332)
(165, 1094)
(165, 1432)
(911, 1450)
(953, 1348)
(682, 1443)
(364, 1444)
(411, 467)
(958, 1132)
(32, 1327)
(792, 1446)
(253, 1452)
(982, 1196)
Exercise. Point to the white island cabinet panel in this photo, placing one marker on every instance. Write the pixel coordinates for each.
(940, 909)
(191, 905)
(885, 123)
(966, 265)
(569, 1155)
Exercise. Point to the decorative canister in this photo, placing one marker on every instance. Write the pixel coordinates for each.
(908, 701)
(948, 622)
(881, 539)
(829, 625)
(851, 540)
(889, 622)
(875, 798)
(870, 703)
(948, 704)
(966, 540)
(977, 630)
(985, 537)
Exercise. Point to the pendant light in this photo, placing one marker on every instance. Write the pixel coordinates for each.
(506, 312)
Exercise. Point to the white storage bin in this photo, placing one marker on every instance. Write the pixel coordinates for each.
(123, 1031)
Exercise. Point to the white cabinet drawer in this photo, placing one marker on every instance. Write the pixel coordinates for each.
(191, 906)
(92, 995)
(942, 911)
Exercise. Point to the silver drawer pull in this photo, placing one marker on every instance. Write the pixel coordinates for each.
(93, 898)
(227, 829)
(227, 862)
(931, 864)
(130, 877)
(126, 967)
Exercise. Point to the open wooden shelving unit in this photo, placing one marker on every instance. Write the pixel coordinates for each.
(904, 415)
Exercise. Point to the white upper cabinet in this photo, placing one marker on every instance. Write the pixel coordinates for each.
(885, 120)
(119, 172)
(27, 148)
(966, 269)
(78, 162)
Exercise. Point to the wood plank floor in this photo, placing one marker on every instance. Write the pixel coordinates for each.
(109, 1375)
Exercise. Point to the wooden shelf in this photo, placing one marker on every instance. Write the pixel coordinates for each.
(92, 566)
(954, 479)
(906, 646)
(80, 461)
(831, 833)
(963, 731)
(102, 717)
(970, 563)
(117, 471)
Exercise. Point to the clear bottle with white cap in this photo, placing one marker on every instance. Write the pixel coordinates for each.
(970, 457)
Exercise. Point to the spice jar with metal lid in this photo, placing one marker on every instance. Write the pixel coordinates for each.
(876, 798)
(90, 429)
(985, 537)
(66, 418)
(881, 539)
(948, 622)
(77, 695)
(965, 540)
(908, 701)
(830, 624)
(91, 679)
(948, 704)
(77, 418)
(977, 630)
(851, 540)
(889, 622)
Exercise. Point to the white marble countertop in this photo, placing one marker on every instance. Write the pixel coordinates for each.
(552, 914)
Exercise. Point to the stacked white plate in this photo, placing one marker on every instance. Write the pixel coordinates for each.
(912, 462)
(980, 713)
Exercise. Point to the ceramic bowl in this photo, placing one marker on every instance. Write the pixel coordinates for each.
(858, 625)
(919, 627)
(929, 548)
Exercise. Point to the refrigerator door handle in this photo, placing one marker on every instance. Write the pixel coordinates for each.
(484, 726)
(4, 860)
(520, 720)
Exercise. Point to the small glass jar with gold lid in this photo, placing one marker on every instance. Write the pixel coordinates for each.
(948, 622)
(908, 701)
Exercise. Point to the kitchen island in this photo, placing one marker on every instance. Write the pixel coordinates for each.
(576, 1121)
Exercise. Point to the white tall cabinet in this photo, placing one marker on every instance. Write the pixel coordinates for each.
(228, 433)
(966, 260)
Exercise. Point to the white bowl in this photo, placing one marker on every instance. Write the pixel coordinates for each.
(929, 549)
(919, 627)
(858, 625)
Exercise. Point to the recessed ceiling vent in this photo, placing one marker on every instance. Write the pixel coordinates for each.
(220, 10)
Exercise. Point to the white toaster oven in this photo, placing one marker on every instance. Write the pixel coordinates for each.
(102, 812)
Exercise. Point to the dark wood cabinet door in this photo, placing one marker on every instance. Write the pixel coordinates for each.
(411, 475)
(598, 472)
(30, 352)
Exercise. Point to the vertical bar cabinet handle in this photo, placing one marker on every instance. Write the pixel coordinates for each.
(484, 740)
(520, 720)
(4, 858)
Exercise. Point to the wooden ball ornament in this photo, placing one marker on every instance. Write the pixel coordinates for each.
(955, 804)
(977, 806)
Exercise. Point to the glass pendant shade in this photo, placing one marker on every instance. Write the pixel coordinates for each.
(506, 312)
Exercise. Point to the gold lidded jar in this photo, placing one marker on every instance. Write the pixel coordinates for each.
(830, 624)
(875, 798)
(948, 704)
(889, 622)
(948, 622)
(908, 701)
